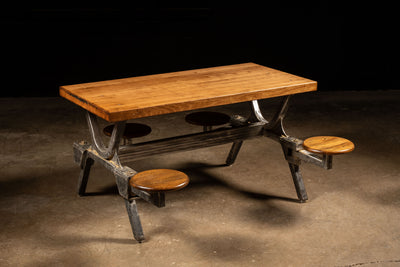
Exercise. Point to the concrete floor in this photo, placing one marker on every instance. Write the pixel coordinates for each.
(243, 215)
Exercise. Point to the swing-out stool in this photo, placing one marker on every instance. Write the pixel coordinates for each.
(328, 145)
(151, 185)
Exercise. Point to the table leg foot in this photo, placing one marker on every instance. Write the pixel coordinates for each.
(134, 220)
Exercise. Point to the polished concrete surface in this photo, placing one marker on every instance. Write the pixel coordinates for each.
(243, 215)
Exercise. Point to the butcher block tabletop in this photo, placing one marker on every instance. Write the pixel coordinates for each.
(136, 97)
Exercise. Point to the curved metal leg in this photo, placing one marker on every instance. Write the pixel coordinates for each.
(256, 114)
(276, 127)
(109, 151)
(275, 130)
(276, 124)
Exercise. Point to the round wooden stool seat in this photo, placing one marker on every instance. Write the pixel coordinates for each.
(329, 145)
(207, 118)
(132, 130)
(159, 180)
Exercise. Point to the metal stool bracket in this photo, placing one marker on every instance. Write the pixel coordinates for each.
(295, 153)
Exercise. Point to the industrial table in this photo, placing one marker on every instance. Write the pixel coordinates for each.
(119, 100)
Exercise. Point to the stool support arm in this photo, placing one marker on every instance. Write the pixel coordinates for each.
(295, 153)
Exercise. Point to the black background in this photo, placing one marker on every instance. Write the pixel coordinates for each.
(343, 46)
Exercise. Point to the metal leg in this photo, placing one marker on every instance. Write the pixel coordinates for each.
(84, 175)
(256, 114)
(298, 182)
(233, 152)
(276, 124)
(107, 153)
(118, 130)
(134, 220)
(275, 130)
(289, 149)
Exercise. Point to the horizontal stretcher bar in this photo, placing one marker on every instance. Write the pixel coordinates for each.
(190, 142)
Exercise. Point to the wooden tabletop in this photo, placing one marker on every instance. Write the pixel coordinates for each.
(136, 97)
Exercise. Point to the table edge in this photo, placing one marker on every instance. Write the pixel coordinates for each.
(205, 103)
(113, 116)
(84, 104)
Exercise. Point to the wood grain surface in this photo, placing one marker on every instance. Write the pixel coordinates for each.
(159, 180)
(329, 145)
(129, 98)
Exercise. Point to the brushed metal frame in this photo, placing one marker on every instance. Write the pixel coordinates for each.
(256, 125)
